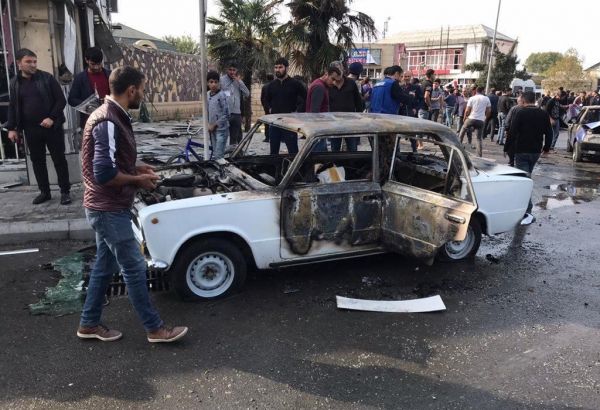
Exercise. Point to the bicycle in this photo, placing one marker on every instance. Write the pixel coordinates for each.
(184, 156)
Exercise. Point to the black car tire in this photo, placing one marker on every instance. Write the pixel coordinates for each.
(460, 250)
(209, 268)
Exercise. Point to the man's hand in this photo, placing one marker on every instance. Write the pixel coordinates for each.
(504, 154)
(145, 169)
(146, 181)
(212, 127)
(544, 154)
(13, 136)
(47, 123)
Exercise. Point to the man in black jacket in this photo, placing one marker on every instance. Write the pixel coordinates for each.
(36, 109)
(94, 79)
(283, 95)
(344, 96)
(529, 135)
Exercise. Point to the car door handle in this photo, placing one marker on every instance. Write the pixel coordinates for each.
(372, 197)
(456, 218)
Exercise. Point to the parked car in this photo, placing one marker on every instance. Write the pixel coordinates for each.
(584, 133)
(207, 222)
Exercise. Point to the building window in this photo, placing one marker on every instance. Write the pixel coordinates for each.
(439, 59)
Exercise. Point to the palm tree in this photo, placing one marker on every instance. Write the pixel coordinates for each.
(243, 32)
(322, 31)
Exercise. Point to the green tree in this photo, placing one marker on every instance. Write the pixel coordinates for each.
(184, 44)
(322, 31)
(243, 33)
(504, 68)
(539, 62)
(523, 74)
(568, 73)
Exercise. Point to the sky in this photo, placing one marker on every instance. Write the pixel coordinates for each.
(535, 23)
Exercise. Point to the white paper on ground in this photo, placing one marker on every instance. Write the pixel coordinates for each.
(4, 253)
(430, 304)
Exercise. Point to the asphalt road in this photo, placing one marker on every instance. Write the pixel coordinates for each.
(519, 332)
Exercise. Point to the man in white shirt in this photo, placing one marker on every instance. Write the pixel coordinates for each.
(478, 109)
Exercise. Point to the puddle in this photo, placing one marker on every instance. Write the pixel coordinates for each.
(569, 194)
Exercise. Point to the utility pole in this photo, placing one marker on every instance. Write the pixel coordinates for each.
(203, 66)
(385, 26)
(489, 73)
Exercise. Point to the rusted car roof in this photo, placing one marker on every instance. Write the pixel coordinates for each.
(346, 123)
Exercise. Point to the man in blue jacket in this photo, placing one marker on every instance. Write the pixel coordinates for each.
(387, 95)
(93, 80)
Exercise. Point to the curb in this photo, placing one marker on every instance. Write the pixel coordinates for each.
(23, 231)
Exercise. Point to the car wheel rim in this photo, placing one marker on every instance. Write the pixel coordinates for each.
(210, 274)
(460, 249)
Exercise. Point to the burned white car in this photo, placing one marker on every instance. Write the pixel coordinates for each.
(208, 222)
(584, 133)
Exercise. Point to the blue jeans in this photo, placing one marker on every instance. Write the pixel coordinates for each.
(351, 144)
(449, 110)
(278, 135)
(556, 129)
(526, 161)
(117, 249)
(218, 140)
(424, 114)
(501, 130)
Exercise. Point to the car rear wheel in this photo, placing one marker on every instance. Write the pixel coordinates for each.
(208, 269)
(460, 250)
(577, 154)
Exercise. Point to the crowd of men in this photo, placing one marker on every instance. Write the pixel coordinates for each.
(111, 174)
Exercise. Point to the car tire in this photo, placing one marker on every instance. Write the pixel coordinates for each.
(460, 250)
(208, 268)
(577, 154)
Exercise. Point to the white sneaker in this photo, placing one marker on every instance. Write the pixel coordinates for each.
(528, 219)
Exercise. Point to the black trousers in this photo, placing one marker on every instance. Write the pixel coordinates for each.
(38, 138)
(235, 128)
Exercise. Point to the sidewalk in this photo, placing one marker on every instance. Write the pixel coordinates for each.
(21, 221)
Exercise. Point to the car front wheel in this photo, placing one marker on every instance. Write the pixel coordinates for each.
(208, 269)
(459, 250)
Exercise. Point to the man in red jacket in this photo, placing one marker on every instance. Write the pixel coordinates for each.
(317, 98)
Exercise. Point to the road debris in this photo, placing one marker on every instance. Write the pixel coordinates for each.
(492, 258)
(429, 304)
(19, 251)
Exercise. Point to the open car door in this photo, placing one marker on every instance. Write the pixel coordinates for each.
(427, 200)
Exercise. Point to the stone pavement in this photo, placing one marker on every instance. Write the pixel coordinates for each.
(21, 221)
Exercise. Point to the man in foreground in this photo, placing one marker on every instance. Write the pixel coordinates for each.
(111, 178)
(529, 134)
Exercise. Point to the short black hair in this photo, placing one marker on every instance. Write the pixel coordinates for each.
(212, 75)
(124, 77)
(396, 69)
(24, 52)
(333, 69)
(437, 80)
(429, 72)
(528, 97)
(232, 64)
(282, 61)
(480, 89)
(94, 54)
